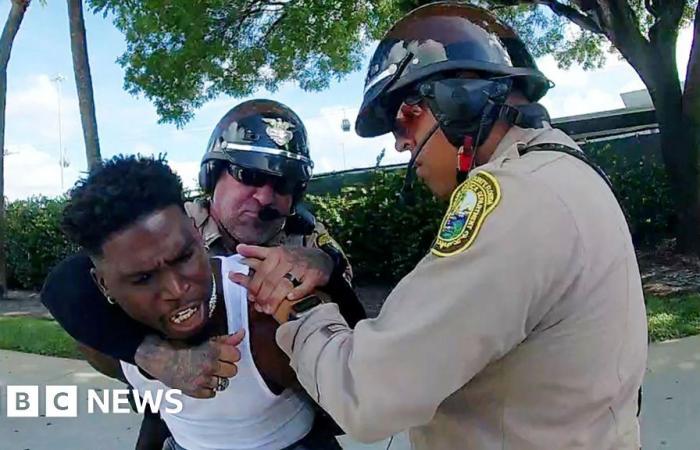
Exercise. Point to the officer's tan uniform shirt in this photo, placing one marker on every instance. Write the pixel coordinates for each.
(533, 336)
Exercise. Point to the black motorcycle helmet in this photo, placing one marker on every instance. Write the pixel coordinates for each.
(437, 41)
(263, 135)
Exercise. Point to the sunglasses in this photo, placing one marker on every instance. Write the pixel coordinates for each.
(402, 122)
(257, 178)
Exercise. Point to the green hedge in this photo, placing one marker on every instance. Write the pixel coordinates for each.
(641, 186)
(34, 241)
(383, 239)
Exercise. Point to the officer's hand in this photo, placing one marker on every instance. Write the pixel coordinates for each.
(193, 370)
(269, 284)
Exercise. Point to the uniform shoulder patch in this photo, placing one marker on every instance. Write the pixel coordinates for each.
(470, 204)
(325, 239)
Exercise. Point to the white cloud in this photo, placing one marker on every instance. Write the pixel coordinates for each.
(579, 92)
(141, 148)
(29, 172)
(582, 101)
(574, 77)
(188, 171)
(32, 112)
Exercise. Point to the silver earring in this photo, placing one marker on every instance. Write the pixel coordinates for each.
(102, 289)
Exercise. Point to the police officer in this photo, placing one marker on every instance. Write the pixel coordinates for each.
(524, 326)
(255, 171)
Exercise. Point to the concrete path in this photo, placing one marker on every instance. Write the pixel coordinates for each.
(670, 419)
(87, 431)
(671, 409)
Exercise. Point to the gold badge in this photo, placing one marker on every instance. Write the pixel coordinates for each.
(470, 204)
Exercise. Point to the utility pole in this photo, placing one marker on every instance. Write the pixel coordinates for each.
(58, 79)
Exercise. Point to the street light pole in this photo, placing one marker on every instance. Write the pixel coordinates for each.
(58, 79)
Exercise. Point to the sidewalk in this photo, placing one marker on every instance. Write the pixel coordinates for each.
(670, 419)
(671, 409)
(87, 431)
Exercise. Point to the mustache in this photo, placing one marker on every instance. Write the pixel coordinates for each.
(268, 213)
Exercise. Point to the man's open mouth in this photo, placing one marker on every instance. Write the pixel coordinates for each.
(184, 314)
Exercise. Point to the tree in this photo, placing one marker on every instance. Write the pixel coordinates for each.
(645, 34)
(9, 32)
(181, 54)
(83, 82)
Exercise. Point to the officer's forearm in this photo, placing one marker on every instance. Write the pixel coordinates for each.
(321, 355)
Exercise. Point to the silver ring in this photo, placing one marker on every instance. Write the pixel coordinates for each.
(292, 279)
(221, 383)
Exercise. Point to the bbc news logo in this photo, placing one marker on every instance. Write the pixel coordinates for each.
(63, 401)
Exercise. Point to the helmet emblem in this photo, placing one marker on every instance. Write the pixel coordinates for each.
(279, 131)
(235, 133)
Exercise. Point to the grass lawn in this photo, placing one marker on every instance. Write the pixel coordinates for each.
(40, 336)
(669, 318)
(673, 317)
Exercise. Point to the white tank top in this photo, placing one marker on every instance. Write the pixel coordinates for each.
(247, 415)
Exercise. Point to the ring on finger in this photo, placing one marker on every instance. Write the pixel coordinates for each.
(292, 279)
(221, 383)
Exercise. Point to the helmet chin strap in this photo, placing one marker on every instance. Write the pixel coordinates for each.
(527, 116)
(466, 159)
(407, 196)
(466, 155)
(532, 117)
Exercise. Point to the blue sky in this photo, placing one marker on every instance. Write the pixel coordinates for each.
(128, 124)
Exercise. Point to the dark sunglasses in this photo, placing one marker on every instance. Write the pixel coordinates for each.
(257, 178)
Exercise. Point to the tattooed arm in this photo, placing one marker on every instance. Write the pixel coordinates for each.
(193, 370)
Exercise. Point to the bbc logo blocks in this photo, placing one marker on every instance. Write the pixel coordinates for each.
(24, 401)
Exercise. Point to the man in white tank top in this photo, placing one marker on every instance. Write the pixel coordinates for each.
(150, 261)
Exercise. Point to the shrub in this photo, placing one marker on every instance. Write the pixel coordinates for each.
(383, 238)
(35, 242)
(642, 188)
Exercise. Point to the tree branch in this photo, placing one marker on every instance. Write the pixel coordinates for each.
(651, 8)
(14, 19)
(582, 20)
(271, 28)
(622, 29)
(664, 32)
